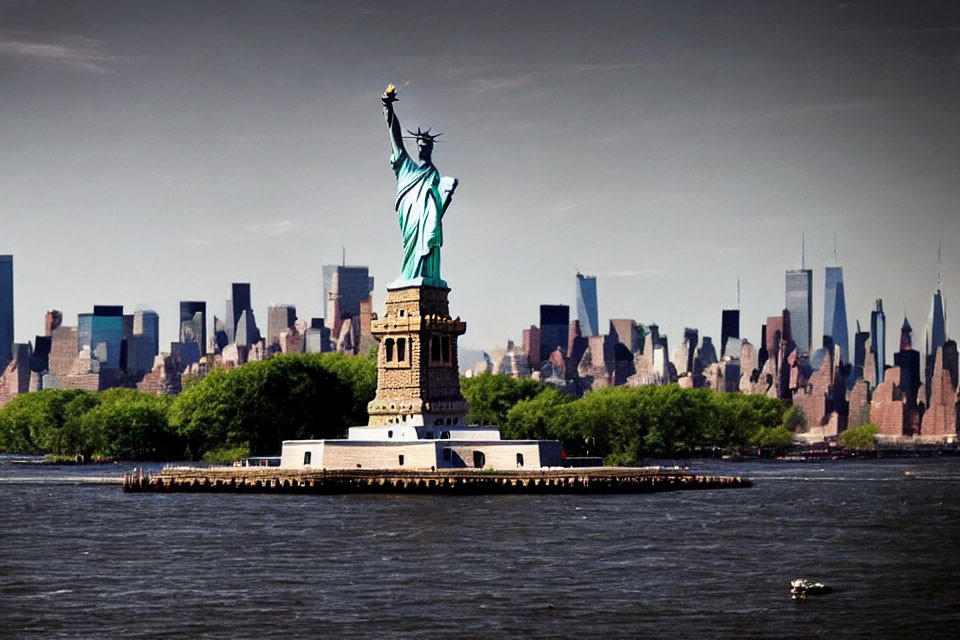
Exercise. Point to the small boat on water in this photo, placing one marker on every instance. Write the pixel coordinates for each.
(801, 588)
(818, 455)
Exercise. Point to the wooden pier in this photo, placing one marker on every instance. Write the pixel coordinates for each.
(447, 481)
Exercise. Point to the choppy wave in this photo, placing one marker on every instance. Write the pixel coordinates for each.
(94, 562)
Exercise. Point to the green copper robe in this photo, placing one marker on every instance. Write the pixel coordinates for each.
(420, 207)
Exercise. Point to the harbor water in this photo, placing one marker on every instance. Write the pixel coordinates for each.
(79, 558)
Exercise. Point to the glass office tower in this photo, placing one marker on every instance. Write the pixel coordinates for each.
(878, 340)
(84, 330)
(143, 343)
(236, 305)
(344, 288)
(835, 311)
(587, 305)
(146, 322)
(936, 325)
(935, 337)
(106, 335)
(280, 317)
(238, 308)
(193, 327)
(729, 328)
(554, 329)
(799, 302)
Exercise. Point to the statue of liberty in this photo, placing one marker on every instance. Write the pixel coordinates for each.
(422, 199)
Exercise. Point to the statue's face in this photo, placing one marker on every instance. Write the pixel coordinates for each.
(425, 149)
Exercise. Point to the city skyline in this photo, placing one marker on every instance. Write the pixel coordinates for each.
(808, 303)
(161, 154)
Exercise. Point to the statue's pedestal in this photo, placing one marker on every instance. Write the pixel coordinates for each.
(418, 376)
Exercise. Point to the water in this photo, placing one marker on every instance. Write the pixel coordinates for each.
(89, 561)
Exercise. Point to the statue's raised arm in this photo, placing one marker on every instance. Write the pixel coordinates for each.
(393, 124)
(421, 200)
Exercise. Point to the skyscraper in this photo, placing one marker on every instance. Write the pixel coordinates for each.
(587, 305)
(625, 331)
(63, 344)
(729, 328)
(531, 345)
(106, 335)
(193, 323)
(146, 323)
(84, 331)
(577, 344)
(906, 335)
(239, 308)
(707, 353)
(313, 340)
(317, 339)
(220, 337)
(554, 329)
(691, 338)
(236, 305)
(908, 359)
(279, 318)
(835, 311)
(878, 340)
(935, 336)
(6, 311)
(247, 334)
(859, 352)
(799, 302)
(344, 288)
(936, 324)
(143, 343)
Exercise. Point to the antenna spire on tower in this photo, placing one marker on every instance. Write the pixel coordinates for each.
(834, 247)
(344, 249)
(803, 251)
(939, 257)
(738, 293)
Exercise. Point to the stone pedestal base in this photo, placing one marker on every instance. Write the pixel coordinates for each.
(418, 377)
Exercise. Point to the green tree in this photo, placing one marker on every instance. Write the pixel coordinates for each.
(742, 417)
(536, 418)
(359, 373)
(492, 396)
(47, 421)
(776, 439)
(20, 418)
(74, 437)
(626, 425)
(679, 419)
(862, 437)
(261, 404)
(130, 425)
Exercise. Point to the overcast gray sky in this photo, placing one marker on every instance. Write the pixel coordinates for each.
(158, 151)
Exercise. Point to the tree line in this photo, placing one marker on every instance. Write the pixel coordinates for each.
(625, 425)
(251, 409)
(230, 413)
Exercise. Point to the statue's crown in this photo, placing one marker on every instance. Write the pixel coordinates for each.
(424, 135)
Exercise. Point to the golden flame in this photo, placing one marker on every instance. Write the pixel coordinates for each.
(391, 88)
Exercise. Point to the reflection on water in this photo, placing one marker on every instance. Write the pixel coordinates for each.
(89, 561)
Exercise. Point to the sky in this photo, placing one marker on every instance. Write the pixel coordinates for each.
(154, 152)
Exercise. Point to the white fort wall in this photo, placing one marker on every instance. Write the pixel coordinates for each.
(420, 454)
